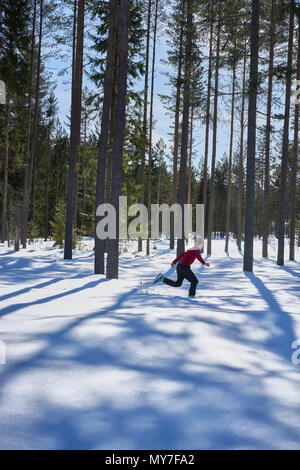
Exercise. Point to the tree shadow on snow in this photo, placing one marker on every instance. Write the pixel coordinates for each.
(282, 338)
(291, 271)
(175, 400)
(14, 307)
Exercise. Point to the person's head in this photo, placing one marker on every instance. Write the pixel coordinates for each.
(199, 244)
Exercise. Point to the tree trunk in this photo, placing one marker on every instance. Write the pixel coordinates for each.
(17, 229)
(5, 169)
(214, 149)
(176, 135)
(117, 156)
(84, 204)
(294, 165)
(158, 187)
(76, 186)
(105, 125)
(146, 88)
(34, 128)
(241, 167)
(251, 143)
(228, 205)
(33, 194)
(74, 41)
(29, 119)
(75, 129)
(185, 123)
(189, 189)
(83, 221)
(266, 221)
(151, 125)
(109, 162)
(207, 124)
(73, 81)
(77, 164)
(47, 189)
(285, 143)
(8, 235)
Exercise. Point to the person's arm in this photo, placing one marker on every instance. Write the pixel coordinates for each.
(177, 259)
(199, 257)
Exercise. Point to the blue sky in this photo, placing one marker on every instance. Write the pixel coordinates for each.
(163, 121)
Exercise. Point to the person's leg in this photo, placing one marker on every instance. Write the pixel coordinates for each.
(176, 283)
(190, 276)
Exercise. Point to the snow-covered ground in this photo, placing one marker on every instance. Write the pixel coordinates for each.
(98, 364)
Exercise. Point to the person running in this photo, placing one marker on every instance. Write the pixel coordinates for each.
(185, 260)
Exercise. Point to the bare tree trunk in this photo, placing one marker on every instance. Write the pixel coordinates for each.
(146, 88)
(77, 164)
(176, 136)
(113, 244)
(251, 143)
(268, 136)
(241, 168)
(57, 191)
(214, 149)
(84, 204)
(109, 162)
(34, 130)
(18, 226)
(29, 119)
(8, 234)
(47, 190)
(105, 125)
(5, 169)
(33, 194)
(73, 82)
(189, 189)
(295, 166)
(228, 205)
(76, 186)
(207, 124)
(158, 187)
(83, 221)
(151, 124)
(185, 123)
(285, 143)
(75, 130)
(74, 41)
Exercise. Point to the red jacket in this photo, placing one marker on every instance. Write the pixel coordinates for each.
(189, 257)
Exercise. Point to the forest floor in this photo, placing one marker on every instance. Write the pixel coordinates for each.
(98, 364)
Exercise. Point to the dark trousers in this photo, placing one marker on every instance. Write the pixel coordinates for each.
(183, 272)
